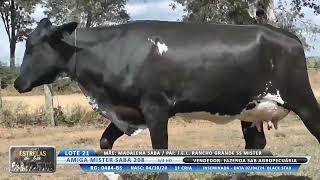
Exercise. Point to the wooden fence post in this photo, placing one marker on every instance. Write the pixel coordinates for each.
(49, 111)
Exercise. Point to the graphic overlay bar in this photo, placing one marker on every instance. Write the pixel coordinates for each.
(180, 161)
(32, 159)
(77, 152)
(184, 153)
(247, 160)
(190, 168)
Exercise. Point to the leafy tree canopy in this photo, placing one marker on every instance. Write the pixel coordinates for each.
(288, 13)
(89, 13)
(16, 17)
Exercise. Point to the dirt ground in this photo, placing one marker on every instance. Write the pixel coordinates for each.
(292, 138)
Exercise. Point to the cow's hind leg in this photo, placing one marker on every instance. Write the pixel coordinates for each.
(307, 108)
(300, 99)
(109, 136)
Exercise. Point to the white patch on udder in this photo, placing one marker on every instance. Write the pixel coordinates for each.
(276, 98)
(265, 109)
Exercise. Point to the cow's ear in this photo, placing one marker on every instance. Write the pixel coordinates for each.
(68, 28)
(43, 27)
(64, 30)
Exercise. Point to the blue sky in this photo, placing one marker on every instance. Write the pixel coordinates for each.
(141, 10)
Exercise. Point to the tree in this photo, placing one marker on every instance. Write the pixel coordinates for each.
(290, 17)
(16, 17)
(313, 4)
(89, 12)
(216, 11)
(236, 11)
(253, 12)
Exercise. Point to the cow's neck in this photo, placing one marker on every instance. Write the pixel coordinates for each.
(86, 75)
(88, 79)
(73, 61)
(93, 74)
(71, 49)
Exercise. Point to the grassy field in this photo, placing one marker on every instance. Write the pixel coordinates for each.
(35, 101)
(291, 138)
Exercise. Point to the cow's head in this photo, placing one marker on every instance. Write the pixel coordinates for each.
(43, 58)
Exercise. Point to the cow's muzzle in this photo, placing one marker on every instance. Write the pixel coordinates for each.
(22, 86)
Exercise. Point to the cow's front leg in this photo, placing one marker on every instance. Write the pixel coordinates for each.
(253, 138)
(155, 111)
(109, 136)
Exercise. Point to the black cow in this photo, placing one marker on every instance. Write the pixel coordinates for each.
(142, 73)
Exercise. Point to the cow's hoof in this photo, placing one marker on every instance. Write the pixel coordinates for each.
(239, 176)
(104, 144)
(112, 176)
